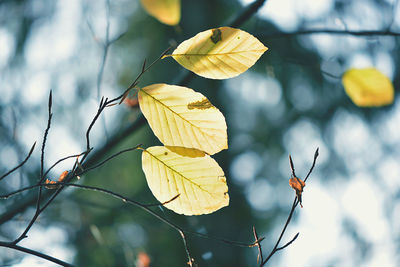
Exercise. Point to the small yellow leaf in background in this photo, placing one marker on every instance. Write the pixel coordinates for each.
(166, 11)
(368, 87)
(219, 53)
(182, 117)
(200, 182)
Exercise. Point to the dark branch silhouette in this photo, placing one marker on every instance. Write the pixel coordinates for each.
(296, 201)
(41, 177)
(328, 31)
(19, 165)
(35, 253)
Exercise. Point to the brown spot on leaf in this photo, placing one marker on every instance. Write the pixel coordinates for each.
(165, 153)
(202, 104)
(186, 152)
(216, 35)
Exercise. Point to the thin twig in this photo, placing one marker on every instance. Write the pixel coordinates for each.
(102, 106)
(19, 165)
(41, 178)
(106, 45)
(136, 81)
(258, 243)
(121, 135)
(327, 31)
(108, 159)
(63, 159)
(276, 247)
(95, 156)
(35, 253)
(190, 259)
(241, 18)
(288, 243)
(274, 250)
(247, 13)
(292, 166)
(137, 204)
(316, 154)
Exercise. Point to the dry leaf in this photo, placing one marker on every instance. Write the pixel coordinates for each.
(297, 184)
(53, 184)
(50, 184)
(62, 176)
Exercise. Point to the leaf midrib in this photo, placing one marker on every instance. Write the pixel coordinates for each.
(177, 114)
(175, 171)
(219, 54)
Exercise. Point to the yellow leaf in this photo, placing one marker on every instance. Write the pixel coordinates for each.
(368, 87)
(199, 182)
(182, 117)
(166, 11)
(219, 53)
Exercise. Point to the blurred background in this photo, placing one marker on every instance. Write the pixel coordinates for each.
(290, 102)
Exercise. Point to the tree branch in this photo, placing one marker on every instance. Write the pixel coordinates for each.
(120, 136)
(241, 18)
(19, 165)
(365, 33)
(41, 177)
(294, 205)
(35, 253)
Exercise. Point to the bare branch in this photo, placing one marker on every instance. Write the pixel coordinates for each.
(292, 166)
(316, 154)
(274, 250)
(296, 201)
(247, 13)
(258, 244)
(288, 243)
(190, 259)
(137, 204)
(50, 115)
(108, 159)
(365, 33)
(41, 178)
(119, 136)
(19, 165)
(62, 159)
(102, 106)
(136, 81)
(35, 253)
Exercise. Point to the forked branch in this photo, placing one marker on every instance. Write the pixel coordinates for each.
(296, 201)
